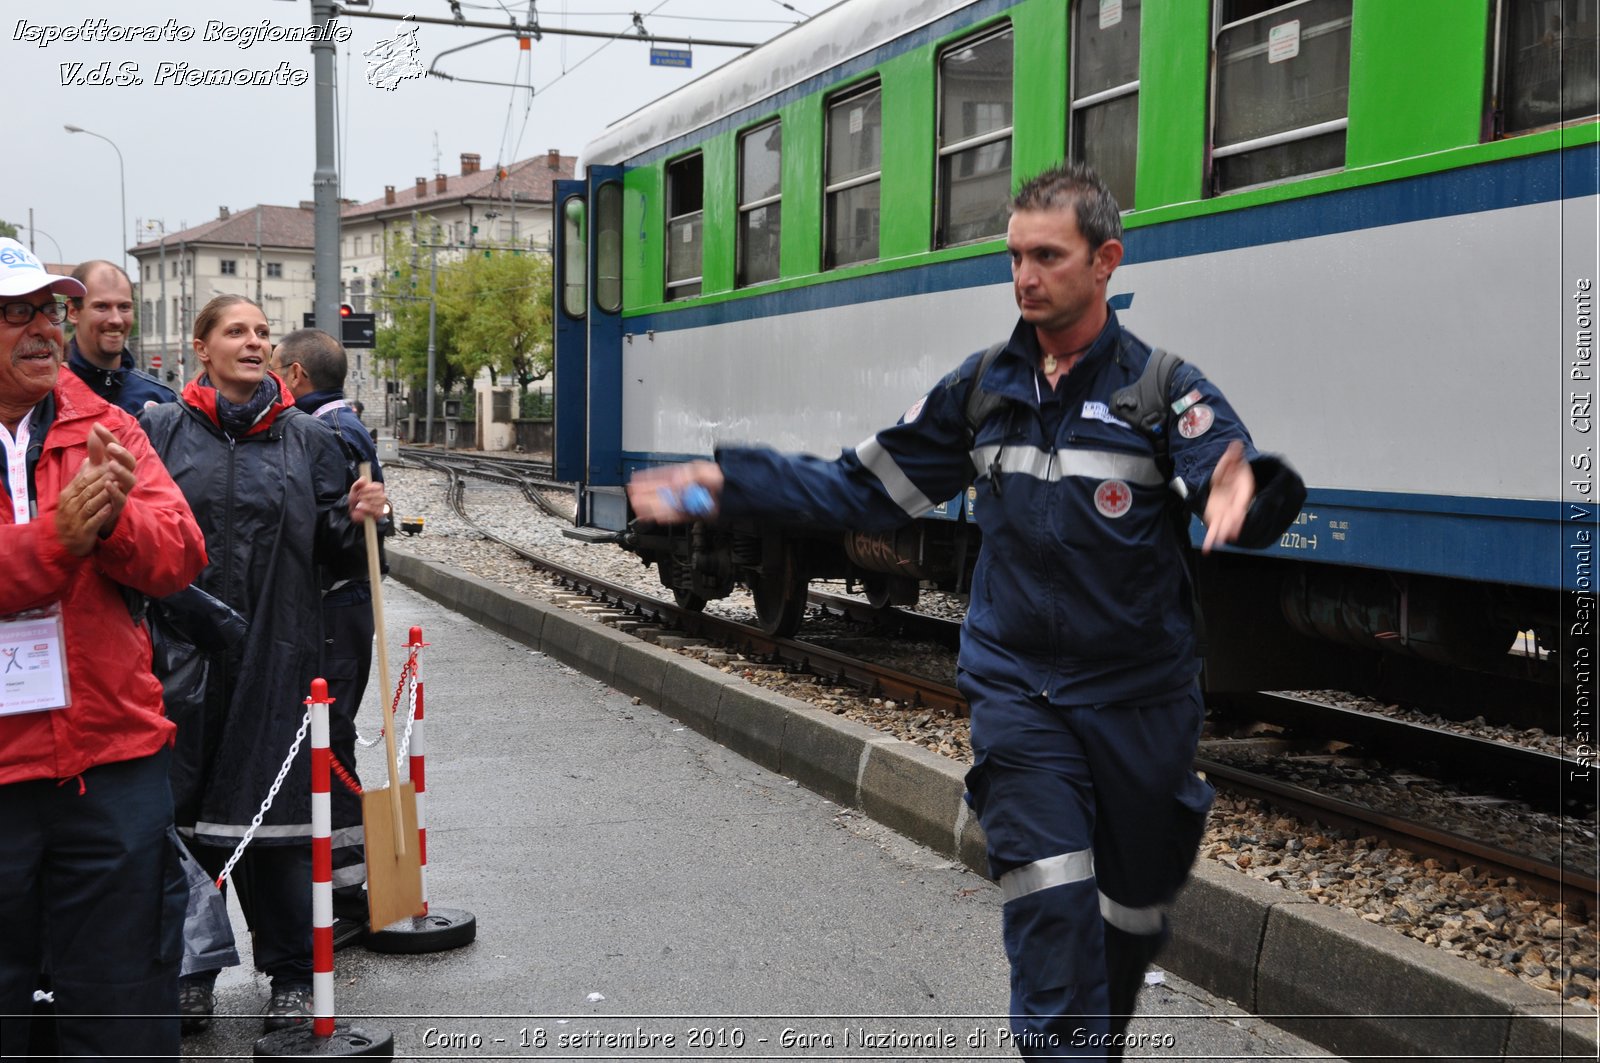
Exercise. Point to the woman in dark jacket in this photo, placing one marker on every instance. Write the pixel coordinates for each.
(270, 491)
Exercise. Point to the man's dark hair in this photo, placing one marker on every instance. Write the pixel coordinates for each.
(319, 354)
(86, 269)
(1072, 184)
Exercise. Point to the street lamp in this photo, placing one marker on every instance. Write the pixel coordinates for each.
(47, 236)
(122, 181)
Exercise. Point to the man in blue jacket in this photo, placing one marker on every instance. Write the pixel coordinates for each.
(98, 351)
(313, 366)
(1078, 655)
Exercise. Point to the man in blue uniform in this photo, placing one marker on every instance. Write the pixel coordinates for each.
(313, 366)
(1078, 655)
(98, 351)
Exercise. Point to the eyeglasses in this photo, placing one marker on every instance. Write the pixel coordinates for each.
(20, 313)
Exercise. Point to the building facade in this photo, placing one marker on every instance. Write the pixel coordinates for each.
(263, 253)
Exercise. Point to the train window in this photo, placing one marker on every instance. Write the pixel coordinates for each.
(974, 138)
(574, 267)
(854, 177)
(608, 247)
(1282, 90)
(760, 213)
(1105, 92)
(685, 199)
(1547, 52)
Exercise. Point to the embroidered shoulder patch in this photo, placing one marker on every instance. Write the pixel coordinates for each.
(1196, 421)
(915, 411)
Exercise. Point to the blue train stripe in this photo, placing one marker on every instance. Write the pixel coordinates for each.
(1516, 541)
(1468, 190)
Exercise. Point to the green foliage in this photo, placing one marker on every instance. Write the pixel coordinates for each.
(492, 311)
(7, 229)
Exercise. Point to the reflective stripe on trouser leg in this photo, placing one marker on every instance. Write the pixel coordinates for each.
(1031, 787)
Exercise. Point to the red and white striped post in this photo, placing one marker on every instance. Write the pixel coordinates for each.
(433, 929)
(418, 751)
(324, 1037)
(321, 865)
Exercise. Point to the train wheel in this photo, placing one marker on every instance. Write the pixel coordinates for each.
(689, 600)
(780, 594)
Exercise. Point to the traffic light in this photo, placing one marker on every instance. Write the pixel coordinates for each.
(345, 310)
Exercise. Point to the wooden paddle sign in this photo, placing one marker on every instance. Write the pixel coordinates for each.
(389, 815)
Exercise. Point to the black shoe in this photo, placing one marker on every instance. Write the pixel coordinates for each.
(196, 1004)
(289, 1006)
(347, 932)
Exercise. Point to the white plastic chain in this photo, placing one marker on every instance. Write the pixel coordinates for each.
(409, 677)
(272, 792)
(411, 708)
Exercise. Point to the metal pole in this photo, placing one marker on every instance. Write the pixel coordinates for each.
(433, 306)
(258, 257)
(122, 183)
(167, 359)
(325, 181)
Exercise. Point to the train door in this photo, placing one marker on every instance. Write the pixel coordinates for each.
(606, 506)
(571, 331)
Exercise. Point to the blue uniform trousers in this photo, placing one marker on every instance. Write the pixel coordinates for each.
(96, 896)
(1093, 815)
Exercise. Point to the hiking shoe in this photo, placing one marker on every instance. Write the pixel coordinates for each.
(196, 1004)
(289, 1006)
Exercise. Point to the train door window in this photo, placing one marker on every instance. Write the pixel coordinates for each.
(574, 268)
(685, 199)
(1546, 58)
(1282, 90)
(760, 212)
(974, 138)
(1105, 91)
(608, 247)
(854, 177)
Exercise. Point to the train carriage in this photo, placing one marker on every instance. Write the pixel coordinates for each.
(1373, 222)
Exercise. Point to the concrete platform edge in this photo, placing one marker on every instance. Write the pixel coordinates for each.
(1239, 938)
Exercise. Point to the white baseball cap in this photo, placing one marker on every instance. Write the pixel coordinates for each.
(21, 273)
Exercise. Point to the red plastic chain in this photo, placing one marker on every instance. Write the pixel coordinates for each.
(343, 775)
(399, 688)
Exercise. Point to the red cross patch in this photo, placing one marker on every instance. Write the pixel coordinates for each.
(1112, 498)
(1196, 421)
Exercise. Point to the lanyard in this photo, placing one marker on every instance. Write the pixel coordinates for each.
(336, 404)
(17, 468)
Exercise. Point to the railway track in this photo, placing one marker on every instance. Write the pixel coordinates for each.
(1527, 775)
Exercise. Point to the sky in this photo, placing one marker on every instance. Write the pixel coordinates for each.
(188, 149)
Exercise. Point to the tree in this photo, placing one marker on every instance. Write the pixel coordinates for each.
(7, 229)
(492, 311)
(401, 299)
(500, 305)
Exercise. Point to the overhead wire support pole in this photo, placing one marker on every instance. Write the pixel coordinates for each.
(325, 179)
(540, 28)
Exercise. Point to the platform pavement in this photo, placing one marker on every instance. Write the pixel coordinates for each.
(1323, 974)
(607, 849)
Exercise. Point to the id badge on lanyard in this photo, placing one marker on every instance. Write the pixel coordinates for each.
(33, 661)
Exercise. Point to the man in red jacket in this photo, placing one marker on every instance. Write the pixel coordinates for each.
(89, 522)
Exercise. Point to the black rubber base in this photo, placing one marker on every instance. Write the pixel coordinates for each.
(440, 929)
(298, 1042)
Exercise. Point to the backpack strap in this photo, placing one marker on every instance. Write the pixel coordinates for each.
(1143, 404)
(982, 404)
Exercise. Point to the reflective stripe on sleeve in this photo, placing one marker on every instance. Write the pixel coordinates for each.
(1132, 920)
(905, 493)
(1093, 464)
(1043, 874)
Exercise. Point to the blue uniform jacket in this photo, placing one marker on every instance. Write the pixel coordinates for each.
(126, 387)
(1080, 589)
